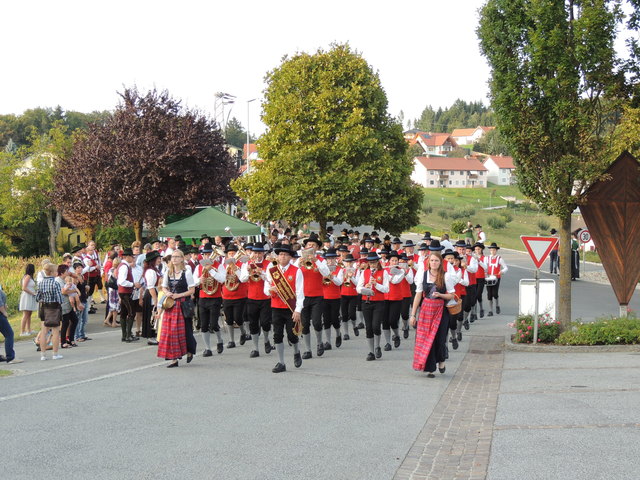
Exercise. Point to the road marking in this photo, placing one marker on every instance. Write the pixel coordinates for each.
(79, 382)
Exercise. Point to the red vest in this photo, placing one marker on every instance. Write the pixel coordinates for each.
(331, 291)
(395, 289)
(406, 286)
(240, 292)
(346, 291)
(290, 277)
(379, 276)
(312, 282)
(93, 261)
(480, 273)
(461, 290)
(256, 288)
(493, 266)
(129, 278)
(472, 276)
(218, 292)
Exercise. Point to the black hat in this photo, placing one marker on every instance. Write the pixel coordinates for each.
(258, 248)
(374, 233)
(478, 226)
(469, 246)
(368, 239)
(312, 238)
(479, 244)
(409, 243)
(326, 240)
(348, 258)
(78, 264)
(404, 257)
(393, 254)
(204, 235)
(387, 237)
(152, 255)
(376, 241)
(232, 247)
(423, 247)
(364, 250)
(127, 252)
(329, 229)
(330, 253)
(372, 257)
(396, 240)
(435, 246)
(76, 249)
(82, 245)
(283, 249)
(427, 236)
(460, 243)
(294, 254)
(553, 231)
(207, 248)
(448, 251)
(493, 245)
(385, 251)
(355, 232)
(342, 248)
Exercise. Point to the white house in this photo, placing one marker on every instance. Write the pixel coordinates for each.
(434, 143)
(501, 169)
(441, 172)
(469, 136)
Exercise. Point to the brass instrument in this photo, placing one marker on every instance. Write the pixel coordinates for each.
(410, 263)
(349, 275)
(254, 274)
(308, 259)
(326, 280)
(208, 284)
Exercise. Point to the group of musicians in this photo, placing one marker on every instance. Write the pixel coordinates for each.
(330, 290)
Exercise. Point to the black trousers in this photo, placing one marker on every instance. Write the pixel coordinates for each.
(68, 330)
(331, 313)
(479, 289)
(406, 308)
(392, 318)
(492, 292)
(127, 314)
(469, 300)
(234, 310)
(312, 314)
(188, 335)
(373, 313)
(209, 313)
(282, 318)
(259, 315)
(348, 306)
(453, 320)
(93, 283)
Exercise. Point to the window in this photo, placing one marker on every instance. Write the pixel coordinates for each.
(453, 172)
(450, 182)
(462, 182)
(480, 182)
(430, 182)
(504, 180)
(480, 172)
(432, 172)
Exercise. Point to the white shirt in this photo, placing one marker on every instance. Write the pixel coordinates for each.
(299, 286)
(123, 272)
(137, 278)
(187, 274)
(219, 274)
(482, 237)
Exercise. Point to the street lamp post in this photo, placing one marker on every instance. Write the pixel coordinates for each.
(248, 138)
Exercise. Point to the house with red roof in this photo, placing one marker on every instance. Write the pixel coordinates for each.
(434, 143)
(501, 169)
(449, 172)
(469, 136)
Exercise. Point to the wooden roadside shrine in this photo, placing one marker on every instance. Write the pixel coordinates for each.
(612, 215)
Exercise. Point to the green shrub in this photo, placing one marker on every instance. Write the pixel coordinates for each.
(443, 214)
(118, 233)
(548, 329)
(462, 212)
(496, 222)
(507, 217)
(604, 331)
(458, 226)
(543, 225)
(427, 209)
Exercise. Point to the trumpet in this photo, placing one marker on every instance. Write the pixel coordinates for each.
(255, 272)
(308, 259)
(349, 275)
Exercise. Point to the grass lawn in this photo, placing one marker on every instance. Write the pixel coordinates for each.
(5, 373)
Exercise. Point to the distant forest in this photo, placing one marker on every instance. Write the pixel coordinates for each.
(459, 115)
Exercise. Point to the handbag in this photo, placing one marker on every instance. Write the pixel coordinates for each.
(167, 303)
(188, 308)
(112, 283)
(52, 316)
(457, 308)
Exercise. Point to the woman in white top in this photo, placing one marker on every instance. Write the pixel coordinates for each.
(28, 303)
(434, 289)
(150, 300)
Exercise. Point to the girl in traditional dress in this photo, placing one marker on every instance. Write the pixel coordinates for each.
(434, 288)
(176, 334)
(150, 300)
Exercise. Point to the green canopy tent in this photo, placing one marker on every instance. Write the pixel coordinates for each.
(212, 222)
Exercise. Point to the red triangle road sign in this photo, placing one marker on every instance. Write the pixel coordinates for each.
(539, 248)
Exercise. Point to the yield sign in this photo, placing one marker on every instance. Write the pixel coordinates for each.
(539, 247)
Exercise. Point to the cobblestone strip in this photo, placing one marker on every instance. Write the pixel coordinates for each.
(455, 442)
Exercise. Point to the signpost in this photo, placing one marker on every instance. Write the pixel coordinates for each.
(584, 237)
(539, 249)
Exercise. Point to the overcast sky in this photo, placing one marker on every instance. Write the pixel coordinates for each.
(78, 54)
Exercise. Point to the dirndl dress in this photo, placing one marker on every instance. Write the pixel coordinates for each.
(431, 334)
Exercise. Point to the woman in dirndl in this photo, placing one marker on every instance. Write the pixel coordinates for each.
(434, 289)
(152, 280)
(176, 333)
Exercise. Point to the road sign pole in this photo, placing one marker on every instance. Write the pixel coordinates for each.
(535, 308)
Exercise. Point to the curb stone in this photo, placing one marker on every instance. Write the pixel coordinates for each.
(546, 348)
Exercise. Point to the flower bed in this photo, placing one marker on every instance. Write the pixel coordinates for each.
(604, 331)
(548, 329)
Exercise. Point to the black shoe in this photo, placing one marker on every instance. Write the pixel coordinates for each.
(231, 345)
(430, 375)
(442, 370)
(345, 336)
(327, 346)
(320, 349)
(297, 360)
(189, 357)
(370, 356)
(338, 340)
(459, 335)
(123, 339)
(307, 355)
(132, 339)
(472, 318)
(490, 314)
(405, 332)
(207, 353)
(361, 325)
(243, 339)
(279, 368)
(396, 341)
(173, 364)
(220, 348)
(356, 331)
(387, 347)
(466, 324)
(254, 354)
(454, 343)
(498, 309)
(379, 352)
(152, 342)
(267, 347)
(481, 313)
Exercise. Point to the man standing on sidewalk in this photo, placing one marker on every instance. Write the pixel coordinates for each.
(7, 331)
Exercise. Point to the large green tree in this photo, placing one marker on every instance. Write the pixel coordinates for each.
(556, 88)
(331, 152)
(235, 134)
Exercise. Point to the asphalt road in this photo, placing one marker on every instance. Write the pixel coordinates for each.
(110, 410)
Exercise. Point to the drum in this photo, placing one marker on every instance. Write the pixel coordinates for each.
(491, 281)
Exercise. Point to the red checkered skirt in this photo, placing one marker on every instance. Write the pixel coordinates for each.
(428, 322)
(173, 343)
